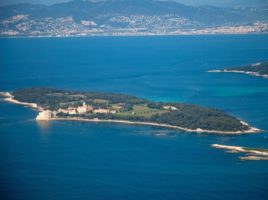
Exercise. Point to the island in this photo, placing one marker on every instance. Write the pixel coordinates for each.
(59, 104)
(251, 153)
(258, 69)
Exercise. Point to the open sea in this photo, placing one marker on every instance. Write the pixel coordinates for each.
(101, 161)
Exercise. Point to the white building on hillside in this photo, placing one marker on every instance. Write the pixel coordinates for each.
(170, 108)
(70, 110)
(105, 111)
(101, 111)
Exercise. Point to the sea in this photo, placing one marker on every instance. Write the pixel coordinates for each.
(102, 161)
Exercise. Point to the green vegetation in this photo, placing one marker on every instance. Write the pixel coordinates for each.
(260, 68)
(53, 99)
(126, 107)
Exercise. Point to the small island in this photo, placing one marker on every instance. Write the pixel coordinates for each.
(258, 69)
(58, 104)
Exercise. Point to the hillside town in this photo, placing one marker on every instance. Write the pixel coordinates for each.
(23, 25)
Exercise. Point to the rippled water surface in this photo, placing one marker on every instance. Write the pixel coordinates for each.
(77, 160)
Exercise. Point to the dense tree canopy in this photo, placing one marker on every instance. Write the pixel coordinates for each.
(132, 108)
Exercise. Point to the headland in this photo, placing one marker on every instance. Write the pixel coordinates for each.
(257, 69)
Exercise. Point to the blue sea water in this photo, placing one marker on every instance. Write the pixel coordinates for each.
(77, 160)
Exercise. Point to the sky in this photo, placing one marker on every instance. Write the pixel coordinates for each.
(221, 3)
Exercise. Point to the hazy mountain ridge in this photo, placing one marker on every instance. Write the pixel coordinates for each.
(124, 17)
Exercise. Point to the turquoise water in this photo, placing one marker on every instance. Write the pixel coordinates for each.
(75, 160)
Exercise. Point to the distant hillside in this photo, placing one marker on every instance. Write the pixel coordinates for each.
(127, 17)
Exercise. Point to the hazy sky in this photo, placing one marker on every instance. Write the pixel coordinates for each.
(189, 2)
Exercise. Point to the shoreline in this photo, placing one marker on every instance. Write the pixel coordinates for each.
(198, 130)
(131, 35)
(8, 97)
(240, 72)
(251, 154)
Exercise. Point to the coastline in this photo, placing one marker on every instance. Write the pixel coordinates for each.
(251, 154)
(198, 130)
(8, 97)
(240, 72)
(130, 35)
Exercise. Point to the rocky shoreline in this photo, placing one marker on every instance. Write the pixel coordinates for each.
(250, 153)
(198, 130)
(10, 98)
(240, 72)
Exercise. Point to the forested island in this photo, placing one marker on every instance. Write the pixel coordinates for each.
(257, 69)
(58, 104)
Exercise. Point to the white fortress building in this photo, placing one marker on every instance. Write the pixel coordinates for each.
(44, 115)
